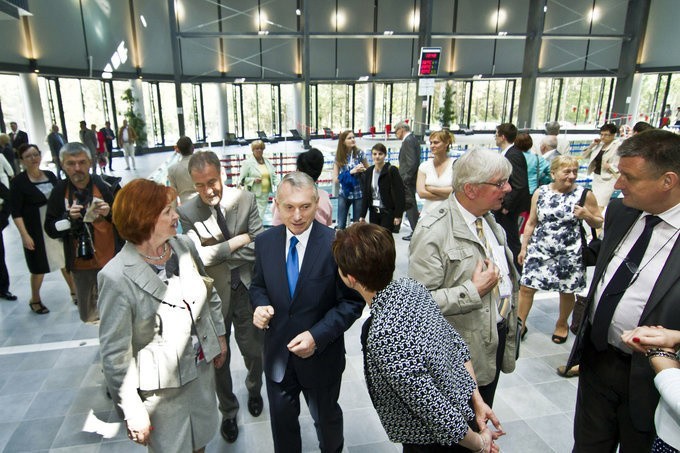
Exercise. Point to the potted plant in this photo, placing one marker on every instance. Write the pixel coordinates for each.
(134, 120)
(446, 114)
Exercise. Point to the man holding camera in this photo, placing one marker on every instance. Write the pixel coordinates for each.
(79, 213)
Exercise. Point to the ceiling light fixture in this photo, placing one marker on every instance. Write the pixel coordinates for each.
(363, 79)
(240, 80)
(143, 20)
(298, 12)
(388, 32)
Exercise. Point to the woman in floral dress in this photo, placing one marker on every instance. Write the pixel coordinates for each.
(551, 245)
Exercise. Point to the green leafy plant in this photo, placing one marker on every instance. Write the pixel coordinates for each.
(446, 113)
(135, 121)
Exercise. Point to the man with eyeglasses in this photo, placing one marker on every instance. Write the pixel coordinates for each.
(636, 283)
(223, 222)
(460, 254)
(79, 213)
(518, 199)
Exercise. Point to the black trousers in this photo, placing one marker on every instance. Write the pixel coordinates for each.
(4, 275)
(488, 391)
(602, 420)
(411, 205)
(509, 224)
(382, 217)
(284, 410)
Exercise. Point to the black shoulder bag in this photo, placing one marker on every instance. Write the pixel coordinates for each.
(589, 250)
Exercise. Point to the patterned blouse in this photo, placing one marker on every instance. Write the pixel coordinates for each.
(414, 363)
(352, 161)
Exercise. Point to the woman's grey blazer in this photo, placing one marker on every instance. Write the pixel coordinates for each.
(141, 348)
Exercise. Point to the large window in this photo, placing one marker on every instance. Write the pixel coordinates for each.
(576, 102)
(168, 104)
(492, 103)
(211, 108)
(12, 101)
(335, 106)
(403, 101)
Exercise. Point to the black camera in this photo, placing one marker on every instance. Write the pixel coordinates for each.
(82, 231)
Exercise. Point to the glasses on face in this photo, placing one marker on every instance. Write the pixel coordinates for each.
(30, 156)
(499, 185)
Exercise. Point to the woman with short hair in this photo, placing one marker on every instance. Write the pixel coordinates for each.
(417, 367)
(603, 163)
(383, 192)
(160, 326)
(259, 176)
(551, 244)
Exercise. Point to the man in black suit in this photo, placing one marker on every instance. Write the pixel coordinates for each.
(301, 302)
(18, 136)
(55, 140)
(519, 199)
(636, 283)
(108, 140)
(409, 160)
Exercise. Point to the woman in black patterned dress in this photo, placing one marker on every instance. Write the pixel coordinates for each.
(417, 367)
(30, 190)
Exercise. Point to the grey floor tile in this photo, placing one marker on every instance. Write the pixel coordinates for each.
(125, 446)
(362, 426)
(80, 429)
(10, 362)
(14, 406)
(24, 382)
(555, 430)
(34, 435)
(92, 448)
(528, 402)
(50, 404)
(82, 356)
(252, 437)
(560, 393)
(520, 438)
(535, 370)
(90, 399)
(504, 411)
(63, 378)
(39, 360)
(6, 431)
(380, 447)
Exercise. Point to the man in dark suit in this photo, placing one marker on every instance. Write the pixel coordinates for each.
(519, 199)
(18, 136)
(305, 308)
(409, 160)
(108, 140)
(224, 242)
(636, 283)
(55, 140)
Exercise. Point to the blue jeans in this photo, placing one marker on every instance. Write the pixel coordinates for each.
(343, 210)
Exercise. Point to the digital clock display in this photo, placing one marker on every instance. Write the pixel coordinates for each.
(429, 61)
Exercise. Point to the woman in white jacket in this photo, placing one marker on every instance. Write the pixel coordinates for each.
(661, 347)
(604, 163)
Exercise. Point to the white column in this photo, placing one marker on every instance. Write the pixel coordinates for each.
(138, 93)
(223, 104)
(298, 103)
(33, 112)
(369, 106)
(633, 105)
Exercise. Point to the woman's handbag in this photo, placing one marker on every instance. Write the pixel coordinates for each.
(589, 250)
(577, 314)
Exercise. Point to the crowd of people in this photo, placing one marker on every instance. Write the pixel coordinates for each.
(495, 228)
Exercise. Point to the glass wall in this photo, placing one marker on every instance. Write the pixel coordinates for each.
(12, 102)
(211, 108)
(335, 106)
(576, 102)
(359, 107)
(168, 104)
(288, 109)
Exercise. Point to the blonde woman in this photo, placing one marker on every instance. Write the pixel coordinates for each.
(259, 176)
(434, 175)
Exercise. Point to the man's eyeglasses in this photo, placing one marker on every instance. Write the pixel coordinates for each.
(499, 184)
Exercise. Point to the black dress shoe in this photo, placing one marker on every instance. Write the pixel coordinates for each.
(407, 238)
(8, 296)
(255, 405)
(229, 430)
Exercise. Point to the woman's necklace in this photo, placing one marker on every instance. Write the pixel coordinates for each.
(159, 257)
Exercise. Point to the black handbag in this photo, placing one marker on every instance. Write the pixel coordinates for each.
(589, 250)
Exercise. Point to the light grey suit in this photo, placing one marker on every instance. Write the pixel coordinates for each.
(199, 222)
(146, 348)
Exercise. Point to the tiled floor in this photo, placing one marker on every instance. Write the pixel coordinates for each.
(52, 395)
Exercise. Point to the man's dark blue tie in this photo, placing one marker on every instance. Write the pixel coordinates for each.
(618, 285)
(292, 267)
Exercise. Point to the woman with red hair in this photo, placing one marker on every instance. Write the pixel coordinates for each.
(160, 326)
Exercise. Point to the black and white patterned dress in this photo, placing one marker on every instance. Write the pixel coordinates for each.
(414, 364)
(553, 261)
